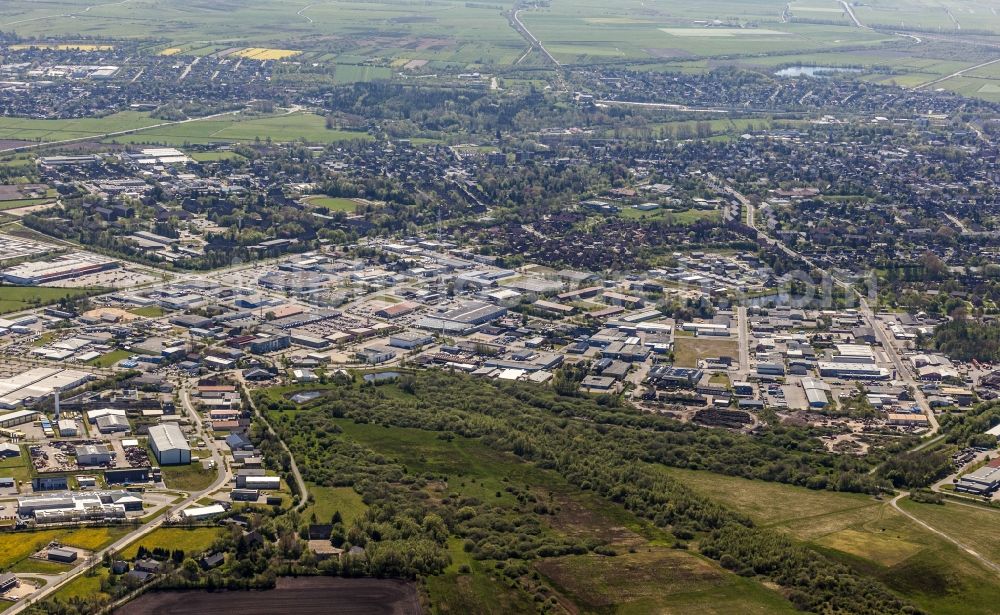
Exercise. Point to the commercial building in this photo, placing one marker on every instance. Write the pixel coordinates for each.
(409, 340)
(63, 268)
(37, 384)
(463, 319)
(169, 445)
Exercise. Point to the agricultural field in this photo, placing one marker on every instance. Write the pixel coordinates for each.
(17, 546)
(192, 541)
(265, 53)
(449, 30)
(591, 31)
(868, 535)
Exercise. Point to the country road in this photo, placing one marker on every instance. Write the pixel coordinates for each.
(106, 135)
(983, 560)
(531, 38)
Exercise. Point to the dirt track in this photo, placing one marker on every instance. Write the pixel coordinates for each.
(298, 596)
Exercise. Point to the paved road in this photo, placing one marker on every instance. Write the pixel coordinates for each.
(902, 373)
(126, 540)
(854, 18)
(119, 133)
(294, 467)
(957, 73)
(531, 38)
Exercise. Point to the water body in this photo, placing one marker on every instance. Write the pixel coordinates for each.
(380, 377)
(813, 71)
(292, 596)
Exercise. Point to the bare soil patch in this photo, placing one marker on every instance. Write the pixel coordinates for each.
(298, 596)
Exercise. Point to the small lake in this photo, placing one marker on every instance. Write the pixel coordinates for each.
(380, 377)
(813, 71)
(292, 596)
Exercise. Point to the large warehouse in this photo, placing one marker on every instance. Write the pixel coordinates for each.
(465, 318)
(62, 268)
(169, 445)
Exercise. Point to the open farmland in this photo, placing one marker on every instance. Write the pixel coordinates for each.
(870, 536)
(450, 30)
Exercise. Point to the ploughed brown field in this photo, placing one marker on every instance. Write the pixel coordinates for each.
(293, 596)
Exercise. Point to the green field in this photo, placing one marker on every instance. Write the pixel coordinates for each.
(237, 128)
(193, 541)
(870, 536)
(333, 204)
(18, 203)
(110, 359)
(17, 298)
(57, 130)
(17, 468)
(215, 156)
(688, 350)
(653, 579)
(973, 526)
(149, 311)
(329, 500)
(191, 477)
(446, 30)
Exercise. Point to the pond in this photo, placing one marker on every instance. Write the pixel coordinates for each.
(298, 596)
(813, 71)
(380, 377)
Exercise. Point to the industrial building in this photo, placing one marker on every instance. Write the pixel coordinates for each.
(65, 556)
(63, 268)
(853, 371)
(49, 483)
(983, 481)
(72, 507)
(36, 384)
(93, 455)
(169, 445)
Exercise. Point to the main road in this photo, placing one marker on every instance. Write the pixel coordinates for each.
(902, 372)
